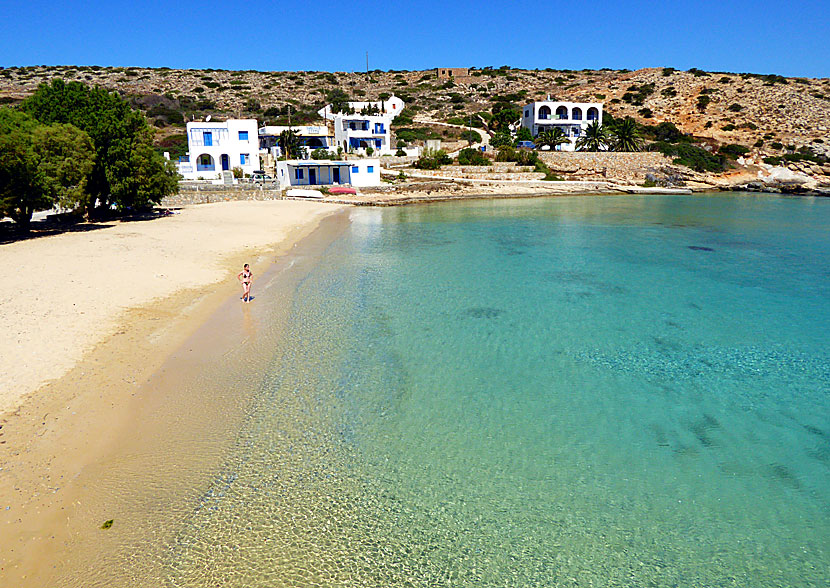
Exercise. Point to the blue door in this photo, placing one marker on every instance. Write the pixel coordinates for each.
(312, 177)
(335, 175)
(207, 137)
(226, 162)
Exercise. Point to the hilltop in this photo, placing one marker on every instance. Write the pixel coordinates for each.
(770, 114)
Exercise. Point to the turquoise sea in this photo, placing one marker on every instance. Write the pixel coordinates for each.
(587, 391)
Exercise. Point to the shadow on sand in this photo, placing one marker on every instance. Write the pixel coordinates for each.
(56, 224)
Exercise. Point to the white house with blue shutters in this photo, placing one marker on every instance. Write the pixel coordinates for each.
(217, 147)
(571, 117)
(322, 172)
(366, 125)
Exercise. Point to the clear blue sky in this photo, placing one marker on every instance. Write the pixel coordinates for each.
(788, 38)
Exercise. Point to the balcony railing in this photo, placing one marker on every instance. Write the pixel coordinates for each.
(209, 167)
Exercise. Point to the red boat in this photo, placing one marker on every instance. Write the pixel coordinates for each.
(342, 191)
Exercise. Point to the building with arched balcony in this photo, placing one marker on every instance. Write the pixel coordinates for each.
(216, 148)
(571, 117)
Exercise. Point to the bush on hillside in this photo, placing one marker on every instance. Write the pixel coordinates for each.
(470, 156)
(733, 150)
(665, 131)
(691, 156)
(433, 159)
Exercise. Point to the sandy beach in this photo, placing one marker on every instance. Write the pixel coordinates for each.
(62, 295)
(92, 323)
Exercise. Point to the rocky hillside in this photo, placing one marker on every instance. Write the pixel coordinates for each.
(770, 114)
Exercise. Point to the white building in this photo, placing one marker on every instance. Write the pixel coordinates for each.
(310, 136)
(307, 172)
(391, 107)
(572, 117)
(216, 147)
(365, 125)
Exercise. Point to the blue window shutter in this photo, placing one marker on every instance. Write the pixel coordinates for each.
(242, 158)
(354, 169)
(207, 138)
(370, 169)
(243, 135)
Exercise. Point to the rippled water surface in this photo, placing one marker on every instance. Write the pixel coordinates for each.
(591, 391)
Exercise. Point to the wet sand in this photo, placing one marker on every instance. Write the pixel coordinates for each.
(131, 431)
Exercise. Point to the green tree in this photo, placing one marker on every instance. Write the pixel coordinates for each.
(290, 145)
(431, 159)
(501, 139)
(339, 101)
(524, 134)
(42, 165)
(595, 138)
(66, 157)
(552, 138)
(20, 192)
(470, 156)
(504, 114)
(121, 138)
(626, 135)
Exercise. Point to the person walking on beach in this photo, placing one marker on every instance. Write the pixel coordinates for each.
(245, 277)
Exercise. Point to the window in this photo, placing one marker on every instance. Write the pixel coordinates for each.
(378, 143)
(527, 113)
(244, 159)
(207, 137)
(298, 173)
(371, 169)
(354, 169)
(243, 135)
(204, 163)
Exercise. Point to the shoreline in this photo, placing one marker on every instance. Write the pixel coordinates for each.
(65, 294)
(57, 445)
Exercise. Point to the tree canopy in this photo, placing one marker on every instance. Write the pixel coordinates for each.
(42, 166)
(127, 172)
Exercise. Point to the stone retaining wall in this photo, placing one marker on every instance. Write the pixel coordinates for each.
(484, 173)
(617, 166)
(207, 193)
(393, 160)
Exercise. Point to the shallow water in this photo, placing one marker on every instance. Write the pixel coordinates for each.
(609, 391)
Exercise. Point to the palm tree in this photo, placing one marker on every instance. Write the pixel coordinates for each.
(626, 135)
(595, 138)
(552, 138)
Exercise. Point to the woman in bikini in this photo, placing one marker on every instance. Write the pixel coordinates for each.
(246, 276)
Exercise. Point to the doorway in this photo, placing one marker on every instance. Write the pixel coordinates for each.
(312, 177)
(335, 175)
(226, 162)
